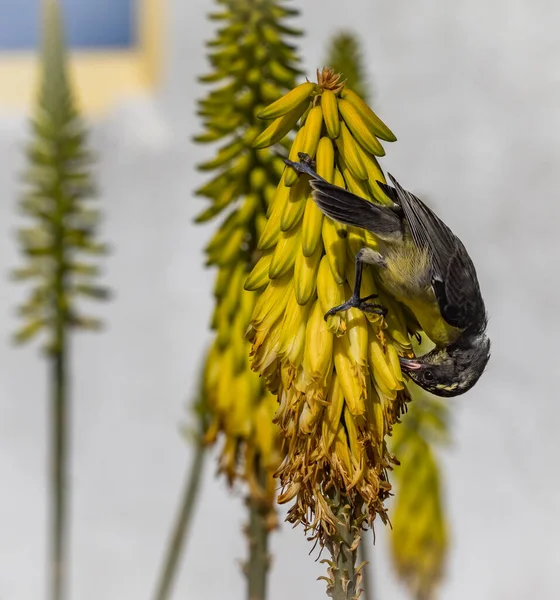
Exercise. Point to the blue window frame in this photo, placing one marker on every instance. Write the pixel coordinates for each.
(88, 23)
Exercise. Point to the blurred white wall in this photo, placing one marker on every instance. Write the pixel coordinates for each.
(472, 91)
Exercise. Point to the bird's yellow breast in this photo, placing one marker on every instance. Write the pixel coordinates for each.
(408, 278)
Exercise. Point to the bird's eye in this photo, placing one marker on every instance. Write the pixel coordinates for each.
(428, 375)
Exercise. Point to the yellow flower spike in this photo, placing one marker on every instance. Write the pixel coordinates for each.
(348, 149)
(312, 227)
(281, 126)
(294, 207)
(305, 274)
(359, 129)
(329, 104)
(335, 249)
(284, 256)
(258, 277)
(318, 367)
(288, 102)
(325, 159)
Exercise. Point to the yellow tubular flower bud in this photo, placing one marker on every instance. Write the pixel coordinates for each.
(312, 227)
(318, 346)
(295, 206)
(325, 159)
(290, 176)
(329, 105)
(280, 127)
(305, 274)
(313, 125)
(284, 256)
(374, 122)
(258, 277)
(288, 102)
(359, 128)
(349, 151)
(335, 249)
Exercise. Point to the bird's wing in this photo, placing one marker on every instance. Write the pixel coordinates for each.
(345, 207)
(454, 278)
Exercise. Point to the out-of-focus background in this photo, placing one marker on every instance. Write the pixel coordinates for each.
(472, 90)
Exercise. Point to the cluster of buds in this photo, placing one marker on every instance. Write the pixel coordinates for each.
(253, 66)
(58, 199)
(338, 380)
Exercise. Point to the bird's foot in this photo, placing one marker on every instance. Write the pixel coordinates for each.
(362, 303)
(305, 166)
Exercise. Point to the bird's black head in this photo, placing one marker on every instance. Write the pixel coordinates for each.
(452, 370)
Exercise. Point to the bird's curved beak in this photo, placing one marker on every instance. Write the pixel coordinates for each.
(408, 364)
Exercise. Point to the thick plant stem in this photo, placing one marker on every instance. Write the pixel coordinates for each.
(344, 579)
(257, 533)
(364, 556)
(178, 537)
(59, 467)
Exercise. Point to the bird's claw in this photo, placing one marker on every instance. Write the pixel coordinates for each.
(362, 304)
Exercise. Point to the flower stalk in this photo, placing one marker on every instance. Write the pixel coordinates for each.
(260, 515)
(338, 378)
(179, 534)
(59, 186)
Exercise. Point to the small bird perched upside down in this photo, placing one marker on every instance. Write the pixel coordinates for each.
(426, 267)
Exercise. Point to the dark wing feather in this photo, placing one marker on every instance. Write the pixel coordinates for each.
(454, 278)
(345, 207)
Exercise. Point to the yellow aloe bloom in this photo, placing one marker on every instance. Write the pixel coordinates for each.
(338, 381)
(252, 66)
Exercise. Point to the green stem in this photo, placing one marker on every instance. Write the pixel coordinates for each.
(176, 545)
(257, 533)
(344, 579)
(365, 560)
(59, 466)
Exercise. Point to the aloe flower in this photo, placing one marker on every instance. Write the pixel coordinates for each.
(338, 380)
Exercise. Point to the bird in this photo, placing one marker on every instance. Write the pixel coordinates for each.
(426, 267)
